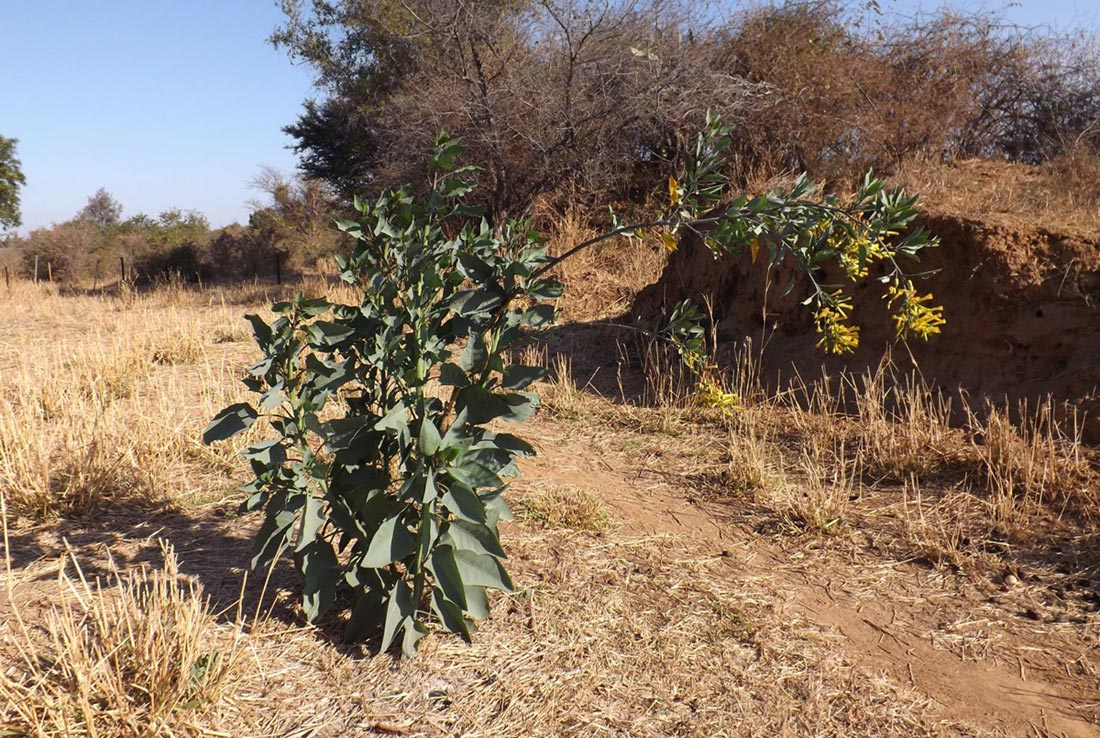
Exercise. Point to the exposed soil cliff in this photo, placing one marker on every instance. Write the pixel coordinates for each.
(1022, 307)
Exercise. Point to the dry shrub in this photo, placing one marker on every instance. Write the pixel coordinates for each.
(61, 252)
(135, 655)
(843, 98)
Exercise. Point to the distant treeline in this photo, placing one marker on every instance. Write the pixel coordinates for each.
(291, 231)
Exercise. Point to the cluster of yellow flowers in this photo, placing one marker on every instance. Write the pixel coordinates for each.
(848, 247)
(837, 335)
(849, 250)
(914, 316)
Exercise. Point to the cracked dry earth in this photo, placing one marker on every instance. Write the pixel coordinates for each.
(978, 649)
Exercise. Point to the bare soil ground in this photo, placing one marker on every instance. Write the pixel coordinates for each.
(984, 653)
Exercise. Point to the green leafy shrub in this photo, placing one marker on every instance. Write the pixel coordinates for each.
(383, 475)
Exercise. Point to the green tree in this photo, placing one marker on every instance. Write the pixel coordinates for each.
(11, 179)
(102, 209)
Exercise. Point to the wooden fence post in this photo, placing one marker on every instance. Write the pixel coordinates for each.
(36, 268)
(278, 269)
(49, 271)
(121, 270)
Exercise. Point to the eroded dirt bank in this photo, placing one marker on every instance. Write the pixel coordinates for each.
(1022, 308)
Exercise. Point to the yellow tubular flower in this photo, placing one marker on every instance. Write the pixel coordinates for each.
(914, 316)
(837, 336)
(849, 246)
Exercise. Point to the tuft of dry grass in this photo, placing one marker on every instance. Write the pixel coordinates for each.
(755, 459)
(1030, 465)
(560, 396)
(136, 655)
(819, 502)
(940, 529)
(561, 506)
(904, 427)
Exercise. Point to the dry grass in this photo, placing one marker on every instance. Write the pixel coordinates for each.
(809, 453)
(819, 502)
(105, 398)
(905, 427)
(940, 530)
(653, 636)
(562, 506)
(755, 466)
(1031, 466)
(1061, 194)
(135, 655)
(562, 397)
(601, 282)
(649, 637)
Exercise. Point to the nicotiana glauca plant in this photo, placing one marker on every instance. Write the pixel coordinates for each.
(386, 468)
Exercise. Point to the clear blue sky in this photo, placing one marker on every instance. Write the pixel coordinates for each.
(178, 103)
(166, 103)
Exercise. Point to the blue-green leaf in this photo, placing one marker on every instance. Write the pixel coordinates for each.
(429, 437)
(450, 614)
(398, 610)
(481, 570)
(517, 377)
(444, 568)
(366, 613)
(229, 422)
(391, 542)
(473, 537)
(461, 501)
(477, 601)
(320, 574)
(272, 536)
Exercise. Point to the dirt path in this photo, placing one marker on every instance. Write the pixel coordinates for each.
(894, 617)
